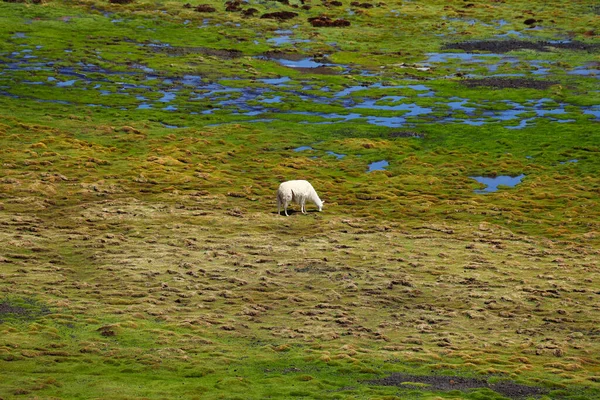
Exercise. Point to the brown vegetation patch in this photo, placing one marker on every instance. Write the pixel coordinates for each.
(509, 389)
(280, 15)
(325, 21)
(250, 12)
(361, 5)
(120, 1)
(233, 6)
(205, 8)
(504, 46)
(531, 21)
(509, 83)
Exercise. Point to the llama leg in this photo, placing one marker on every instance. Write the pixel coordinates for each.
(285, 206)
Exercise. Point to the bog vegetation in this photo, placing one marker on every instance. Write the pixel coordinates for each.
(456, 145)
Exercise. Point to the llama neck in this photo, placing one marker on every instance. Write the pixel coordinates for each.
(315, 199)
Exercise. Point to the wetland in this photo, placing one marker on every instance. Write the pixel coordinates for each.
(456, 146)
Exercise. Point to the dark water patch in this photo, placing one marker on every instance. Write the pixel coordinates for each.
(573, 161)
(510, 389)
(509, 83)
(492, 183)
(504, 46)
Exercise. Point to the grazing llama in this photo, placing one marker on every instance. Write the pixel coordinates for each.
(299, 191)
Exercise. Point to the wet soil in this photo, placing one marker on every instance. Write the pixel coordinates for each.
(275, 54)
(504, 46)
(509, 83)
(10, 310)
(509, 389)
(227, 54)
(406, 134)
(6, 308)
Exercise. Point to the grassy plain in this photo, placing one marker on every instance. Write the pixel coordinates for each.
(141, 254)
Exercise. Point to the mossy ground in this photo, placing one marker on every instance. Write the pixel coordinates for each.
(142, 261)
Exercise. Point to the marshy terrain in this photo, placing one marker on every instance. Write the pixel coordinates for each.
(456, 145)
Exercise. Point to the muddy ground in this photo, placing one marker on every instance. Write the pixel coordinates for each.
(511, 390)
(505, 46)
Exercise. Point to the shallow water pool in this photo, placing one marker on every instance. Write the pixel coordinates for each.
(492, 183)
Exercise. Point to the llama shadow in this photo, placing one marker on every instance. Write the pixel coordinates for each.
(294, 212)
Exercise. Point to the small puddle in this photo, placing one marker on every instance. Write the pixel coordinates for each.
(302, 63)
(492, 183)
(167, 96)
(465, 57)
(66, 83)
(303, 148)
(336, 155)
(378, 166)
(271, 100)
(412, 109)
(276, 81)
(299, 62)
(285, 37)
(590, 69)
(594, 111)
